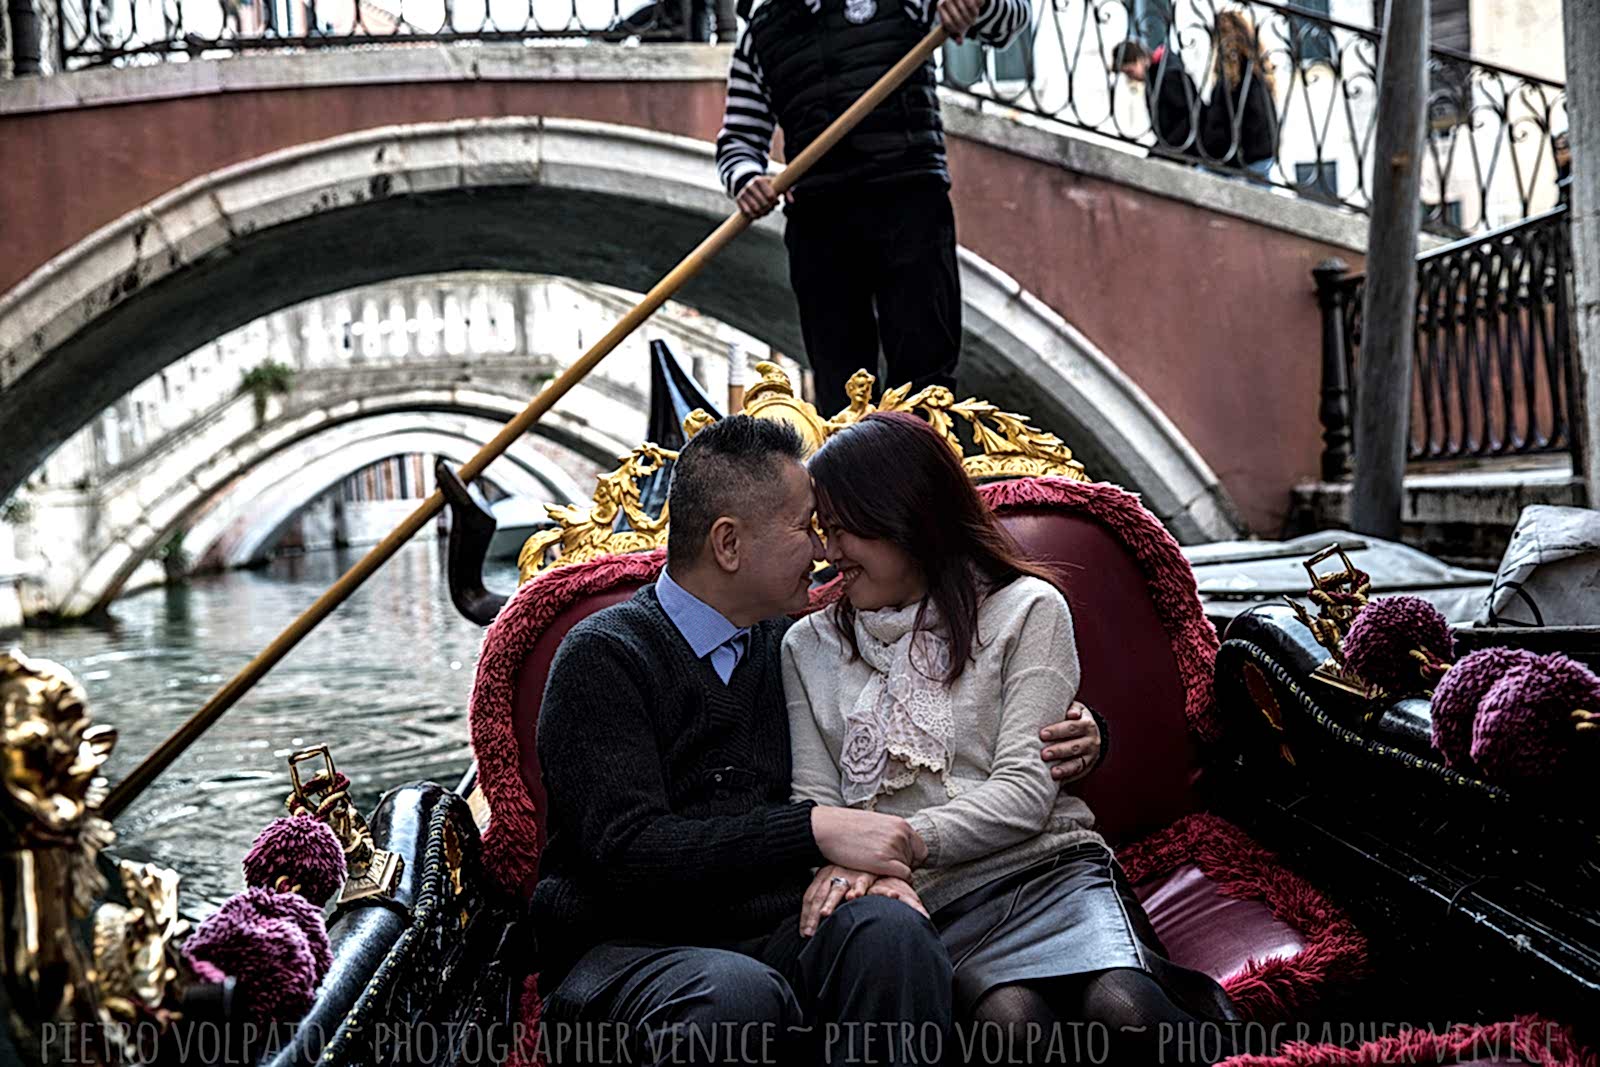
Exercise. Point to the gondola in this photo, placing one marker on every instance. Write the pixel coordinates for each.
(1287, 821)
(1295, 839)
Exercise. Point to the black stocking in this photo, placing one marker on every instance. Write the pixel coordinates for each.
(1126, 1008)
(1144, 1024)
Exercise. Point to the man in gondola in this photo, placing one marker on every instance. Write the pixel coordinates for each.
(670, 887)
(870, 231)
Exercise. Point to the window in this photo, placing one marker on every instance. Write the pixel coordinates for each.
(1150, 21)
(1446, 214)
(1318, 179)
(964, 63)
(1310, 40)
(1449, 23)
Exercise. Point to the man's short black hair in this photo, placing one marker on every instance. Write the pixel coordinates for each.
(729, 468)
(1129, 51)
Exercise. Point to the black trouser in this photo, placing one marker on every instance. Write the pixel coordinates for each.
(870, 264)
(872, 986)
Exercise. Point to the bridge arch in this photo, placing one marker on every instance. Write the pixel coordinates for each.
(588, 200)
(283, 462)
(236, 527)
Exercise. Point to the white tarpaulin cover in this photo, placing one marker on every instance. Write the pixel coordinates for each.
(1550, 574)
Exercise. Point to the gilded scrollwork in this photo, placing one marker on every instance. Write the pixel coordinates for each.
(585, 532)
(50, 790)
(1003, 445)
(135, 944)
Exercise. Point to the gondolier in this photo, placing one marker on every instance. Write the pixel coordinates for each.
(870, 231)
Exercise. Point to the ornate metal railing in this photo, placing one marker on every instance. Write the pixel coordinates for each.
(1495, 368)
(1490, 156)
(100, 32)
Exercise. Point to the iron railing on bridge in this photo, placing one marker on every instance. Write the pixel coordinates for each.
(1495, 368)
(1490, 155)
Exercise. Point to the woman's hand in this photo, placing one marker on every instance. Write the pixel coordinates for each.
(831, 886)
(897, 889)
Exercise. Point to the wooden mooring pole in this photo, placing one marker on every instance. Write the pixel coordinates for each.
(1581, 25)
(1389, 317)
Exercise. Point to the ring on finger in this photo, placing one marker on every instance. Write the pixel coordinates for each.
(842, 883)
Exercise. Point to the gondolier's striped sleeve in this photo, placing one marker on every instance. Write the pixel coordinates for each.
(997, 24)
(747, 124)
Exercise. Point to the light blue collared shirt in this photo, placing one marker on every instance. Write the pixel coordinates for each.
(703, 627)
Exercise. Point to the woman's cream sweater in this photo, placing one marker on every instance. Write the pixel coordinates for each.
(1007, 811)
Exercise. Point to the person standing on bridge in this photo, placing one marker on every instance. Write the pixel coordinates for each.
(870, 230)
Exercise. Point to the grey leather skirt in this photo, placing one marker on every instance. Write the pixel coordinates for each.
(1071, 914)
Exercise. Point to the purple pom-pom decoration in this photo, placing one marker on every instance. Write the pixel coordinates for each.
(1455, 701)
(299, 854)
(269, 959)
(291, 907)
(1383, 636)
(1524, 731)
(206, 972)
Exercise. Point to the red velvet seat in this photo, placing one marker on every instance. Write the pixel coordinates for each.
(1528, 1039)
(1221, 903)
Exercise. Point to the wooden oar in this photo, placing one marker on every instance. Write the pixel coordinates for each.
(127, 790)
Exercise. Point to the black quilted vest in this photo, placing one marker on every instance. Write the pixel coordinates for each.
(816, 66)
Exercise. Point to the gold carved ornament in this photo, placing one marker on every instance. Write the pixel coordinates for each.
(135, 945)
(50, 792)
(1005, 446)
(585, 533)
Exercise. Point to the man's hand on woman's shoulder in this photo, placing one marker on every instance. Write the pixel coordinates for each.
(1072, 746)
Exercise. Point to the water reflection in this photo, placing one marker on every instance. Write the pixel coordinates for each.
(384, 681)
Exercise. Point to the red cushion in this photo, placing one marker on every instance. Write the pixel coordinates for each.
(1207, 931)
(1130, 675)
(530, 687)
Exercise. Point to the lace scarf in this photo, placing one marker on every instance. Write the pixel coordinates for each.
(901, 723)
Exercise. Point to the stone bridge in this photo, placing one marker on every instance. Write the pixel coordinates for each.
(428, 366)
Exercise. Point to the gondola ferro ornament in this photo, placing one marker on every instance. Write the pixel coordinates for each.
(372, 871)
(1338, 596)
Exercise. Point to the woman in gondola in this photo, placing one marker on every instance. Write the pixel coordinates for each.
(921, 694)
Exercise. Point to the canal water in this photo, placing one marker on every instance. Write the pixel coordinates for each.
(384, 682)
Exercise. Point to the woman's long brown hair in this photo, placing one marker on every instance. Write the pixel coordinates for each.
(1238, 46)
(892, 477)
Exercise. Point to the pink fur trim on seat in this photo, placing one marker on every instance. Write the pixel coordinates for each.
(1275, 989)
(1170, 578)
(508, 850)
(1526, 1039)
